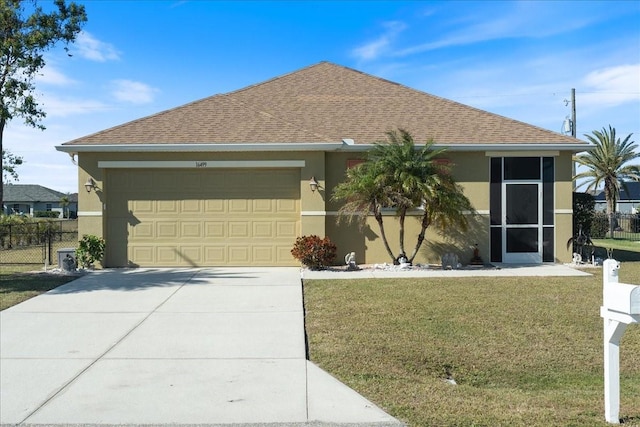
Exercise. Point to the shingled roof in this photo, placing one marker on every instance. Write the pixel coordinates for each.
(33, 193)
(323, 103)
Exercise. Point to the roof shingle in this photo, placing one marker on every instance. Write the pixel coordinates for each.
(322, 103)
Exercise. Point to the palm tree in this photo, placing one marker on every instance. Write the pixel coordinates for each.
(363, 194)
(64, 203)
(608, 164)
(447, 207)
(399, 175)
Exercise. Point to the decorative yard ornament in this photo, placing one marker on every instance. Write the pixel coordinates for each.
(476, 260)
(582, 246)
(350, 261)
(450, 261)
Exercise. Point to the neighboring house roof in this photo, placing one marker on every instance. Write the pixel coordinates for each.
(323, 103)
(632, 194)
(16, 193)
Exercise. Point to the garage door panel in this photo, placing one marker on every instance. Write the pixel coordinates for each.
(142, 231)
(239, 206)
(191, 206)
(214, 229)
(215, 254)
(262, 229)
(167, 206)
(287, 206)
(142, 254)
(171, 180)
(141, 206)
(263, 206)
(191, 254)
(167, 255)
(287, 229)
(239, 255)
(166, 230)
(283, 253)
(238, 229)
(263, 255)
(213, 217)
(215, 206)
(191, 229)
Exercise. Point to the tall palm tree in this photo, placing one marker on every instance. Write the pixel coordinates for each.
(608, 164)
(64, 203)
(399, 175)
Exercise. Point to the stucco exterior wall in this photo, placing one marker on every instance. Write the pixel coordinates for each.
(319, 212)
(563, 206)
(471, 171)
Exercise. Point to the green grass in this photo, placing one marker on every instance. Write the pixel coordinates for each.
(18, 284)
(524, 351)
(625, 245)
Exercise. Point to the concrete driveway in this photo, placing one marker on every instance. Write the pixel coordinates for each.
(159, 346)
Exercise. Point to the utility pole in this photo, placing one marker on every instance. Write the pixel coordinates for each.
(573, 134)
(573, 112)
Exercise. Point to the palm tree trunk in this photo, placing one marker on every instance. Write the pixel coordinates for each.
(401, 216)
(424, 224)
(610, 197)
(378, 217)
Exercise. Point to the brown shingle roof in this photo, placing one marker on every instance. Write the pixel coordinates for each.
(323, 103)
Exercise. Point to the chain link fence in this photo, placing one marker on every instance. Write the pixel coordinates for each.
(618, 226)
(36, 242)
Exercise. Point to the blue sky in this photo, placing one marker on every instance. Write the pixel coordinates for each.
(518, 59)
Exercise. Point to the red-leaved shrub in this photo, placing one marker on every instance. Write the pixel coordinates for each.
(314, 252)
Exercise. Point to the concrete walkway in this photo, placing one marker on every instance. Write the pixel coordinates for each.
(221, 346)
(500, 270)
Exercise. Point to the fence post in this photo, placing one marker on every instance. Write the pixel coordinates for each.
(50, 244)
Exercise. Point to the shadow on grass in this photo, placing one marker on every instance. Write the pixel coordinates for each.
(631, 421)
(618, 254)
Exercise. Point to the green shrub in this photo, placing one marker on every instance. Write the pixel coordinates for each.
(583, 211)
(599, 225)
(314, 252)
(90, 249)
(46, 214)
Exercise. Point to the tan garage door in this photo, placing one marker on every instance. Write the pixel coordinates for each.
(208, 217)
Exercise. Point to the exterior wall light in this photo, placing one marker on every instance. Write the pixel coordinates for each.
(90, 184)
(313, 184)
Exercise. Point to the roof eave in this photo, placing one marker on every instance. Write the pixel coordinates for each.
(325, 146)
(195, 148)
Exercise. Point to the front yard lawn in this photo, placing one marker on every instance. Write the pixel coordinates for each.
(523, 351)
(17, 284)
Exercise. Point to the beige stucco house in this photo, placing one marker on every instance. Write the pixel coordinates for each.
(225, 180)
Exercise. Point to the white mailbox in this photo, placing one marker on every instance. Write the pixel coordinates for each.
(622, 297)
(620, 307)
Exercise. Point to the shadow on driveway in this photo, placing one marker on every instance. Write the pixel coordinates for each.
(139, 279)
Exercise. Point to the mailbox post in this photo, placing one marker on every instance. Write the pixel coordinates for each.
(621, 307)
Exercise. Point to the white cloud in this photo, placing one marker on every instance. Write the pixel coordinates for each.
(93, 49)
(612, 86)
(133, 92)
(56, 106)
(52, 76)
(506, 20)
(374, 49)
